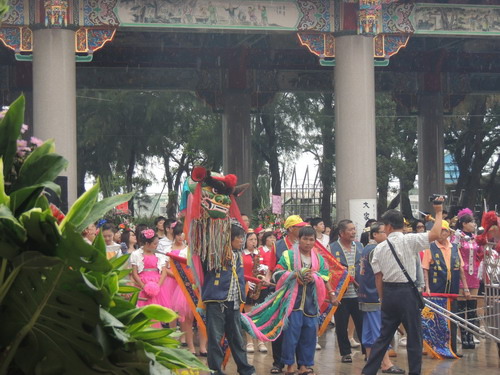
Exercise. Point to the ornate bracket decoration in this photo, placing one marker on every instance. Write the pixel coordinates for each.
(367, 19)
(323, 46)
(56, 13)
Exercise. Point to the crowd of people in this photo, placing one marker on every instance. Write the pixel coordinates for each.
(393, 261)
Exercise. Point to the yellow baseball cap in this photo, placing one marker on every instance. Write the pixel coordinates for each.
(294, 221)
(445, 225)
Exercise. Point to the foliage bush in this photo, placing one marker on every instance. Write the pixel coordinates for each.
(61, 301)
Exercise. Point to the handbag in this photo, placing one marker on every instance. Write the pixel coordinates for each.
(420, 299)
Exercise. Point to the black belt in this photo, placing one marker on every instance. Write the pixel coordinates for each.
(397, 285)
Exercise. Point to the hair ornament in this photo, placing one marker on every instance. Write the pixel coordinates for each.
(148, 233)
(465, 211)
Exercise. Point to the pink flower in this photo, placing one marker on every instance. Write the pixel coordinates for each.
(22, 147)
(24, 128)
(36, 141)
(151, 289)
(148, 233)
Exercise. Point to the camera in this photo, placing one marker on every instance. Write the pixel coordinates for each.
(433, 198)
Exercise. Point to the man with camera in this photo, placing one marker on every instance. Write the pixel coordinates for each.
(394, 263)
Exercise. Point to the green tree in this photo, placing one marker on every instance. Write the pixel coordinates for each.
(122, 134)
(473, 139)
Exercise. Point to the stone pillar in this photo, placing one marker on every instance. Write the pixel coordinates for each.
(430, 148)
(237, 142)
(54, 96)
(355, 144)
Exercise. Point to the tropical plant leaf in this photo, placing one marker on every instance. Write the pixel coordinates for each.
(99, 243)
(102, 207)
(45, 149)
(10, 128)
(176, 358)
(155, 312)
(81, 208)
(41, 227)
(12, 233)
(26, 198)
(44, 169)
(4, 198)
(120, 261)
(48, 316)
(79, 254)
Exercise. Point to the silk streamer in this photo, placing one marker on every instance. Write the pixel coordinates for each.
(339, 281)
(436, 330)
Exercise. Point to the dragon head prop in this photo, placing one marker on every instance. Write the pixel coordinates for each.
(209, 202)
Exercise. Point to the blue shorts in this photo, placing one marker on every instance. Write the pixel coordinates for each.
(372, 321)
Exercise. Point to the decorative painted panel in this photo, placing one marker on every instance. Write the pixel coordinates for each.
(17, 14)
(224, 14)
(100, 13)
(456, 19)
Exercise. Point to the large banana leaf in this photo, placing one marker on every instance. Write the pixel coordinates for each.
(50, 320)
(10, 127)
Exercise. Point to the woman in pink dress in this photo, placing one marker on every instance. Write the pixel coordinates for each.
(179, 302)
(149, 270)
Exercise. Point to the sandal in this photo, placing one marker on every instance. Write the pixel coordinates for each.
(309, 371)
(276, 370)
(393, 370)
(346, 359)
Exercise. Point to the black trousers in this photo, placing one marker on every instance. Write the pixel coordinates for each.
(222, 319)
(399, 305)
(348, 307)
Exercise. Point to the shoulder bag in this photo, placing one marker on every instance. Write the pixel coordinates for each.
(420, 299)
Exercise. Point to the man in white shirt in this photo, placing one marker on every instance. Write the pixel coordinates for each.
(396, 293)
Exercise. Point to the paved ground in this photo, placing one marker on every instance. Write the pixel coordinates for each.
(483, 360)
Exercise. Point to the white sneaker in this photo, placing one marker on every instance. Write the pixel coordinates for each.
(476, 340)
(402, 341)
(262, 347)
(354, 343)
(318, 346)
(250, 348)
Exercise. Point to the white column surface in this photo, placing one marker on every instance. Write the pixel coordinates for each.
(355, 143)
(54, 96)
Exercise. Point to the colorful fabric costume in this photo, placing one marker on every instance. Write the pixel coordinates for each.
(209, 203)
(267, 320)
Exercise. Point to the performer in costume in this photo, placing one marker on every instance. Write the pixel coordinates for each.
(472, 255)
(216, 244)
(443, 272)
(149, 270)
(292, 225)
(308, 269)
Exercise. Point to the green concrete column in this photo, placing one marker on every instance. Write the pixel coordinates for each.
(54, 95)
(356, 177)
